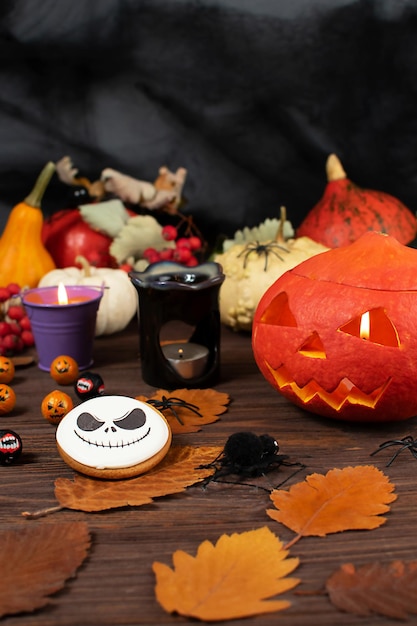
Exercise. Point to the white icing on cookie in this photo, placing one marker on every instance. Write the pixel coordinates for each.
(111, 432)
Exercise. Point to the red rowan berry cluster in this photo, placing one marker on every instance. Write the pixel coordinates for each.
(184, 251)
(15, 328)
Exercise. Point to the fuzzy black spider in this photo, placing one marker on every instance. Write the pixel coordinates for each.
(406, 443)
(248, 455)
(172, 403)
(262, 248)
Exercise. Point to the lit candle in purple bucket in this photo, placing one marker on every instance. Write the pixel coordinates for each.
(63, 321)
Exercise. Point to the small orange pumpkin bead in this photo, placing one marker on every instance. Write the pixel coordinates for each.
(56, 405)
(7, 399)
(64, 369)
(7, 369)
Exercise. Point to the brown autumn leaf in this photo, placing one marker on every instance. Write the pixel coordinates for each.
(352, 498)
(177, 471)
(389, 590)
(232, 579)
(35, 562)
(204, 407)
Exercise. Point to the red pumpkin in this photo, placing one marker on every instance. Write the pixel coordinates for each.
(66, 235)
(310, 339)
(346, 211)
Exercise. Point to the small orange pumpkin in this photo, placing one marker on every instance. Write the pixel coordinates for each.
(7, 399)
(7, 369)
(64, 369)
(56, 405)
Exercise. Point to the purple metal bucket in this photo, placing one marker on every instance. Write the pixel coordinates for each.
(63, 328)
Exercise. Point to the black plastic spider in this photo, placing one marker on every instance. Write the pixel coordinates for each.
(262, 248)
(173, 403)
(248, 455)
(406, 443)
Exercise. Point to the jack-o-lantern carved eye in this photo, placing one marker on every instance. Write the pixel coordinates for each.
(374, 326)
(278, 312)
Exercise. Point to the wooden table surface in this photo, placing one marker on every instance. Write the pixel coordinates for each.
(115, 584)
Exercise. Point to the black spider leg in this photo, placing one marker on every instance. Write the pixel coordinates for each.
(225, 470)
(301, 466)
(261, 249)
(406, 442)
(172, 402)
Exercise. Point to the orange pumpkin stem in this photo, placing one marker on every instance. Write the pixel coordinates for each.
(34, 199)
(334, 168)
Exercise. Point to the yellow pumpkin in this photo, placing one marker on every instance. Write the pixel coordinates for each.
(23, 257)
(119, 302)
(252, 267)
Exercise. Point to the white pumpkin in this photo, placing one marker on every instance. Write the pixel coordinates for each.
(250, 269)
(119, 302)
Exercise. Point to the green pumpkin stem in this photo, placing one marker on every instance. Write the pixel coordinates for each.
(34, 199)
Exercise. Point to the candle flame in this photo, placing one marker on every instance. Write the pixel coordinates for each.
(180, 353)
(365, 326)
(62, 294)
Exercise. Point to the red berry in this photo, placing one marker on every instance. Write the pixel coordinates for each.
(4, 329)
(10, 342)
(182, 255)
(16, 312)
(169, 233)
(13, 289)
(192, 261)
(4, 294)
(25, 323)
(27, 338)
(15, 328)
(183, 242)
(195, 243)
(166, 254)
(151, 255)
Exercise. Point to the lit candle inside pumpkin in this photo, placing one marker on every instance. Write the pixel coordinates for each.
(365, 325)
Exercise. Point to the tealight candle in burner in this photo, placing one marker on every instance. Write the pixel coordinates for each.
(188, 359)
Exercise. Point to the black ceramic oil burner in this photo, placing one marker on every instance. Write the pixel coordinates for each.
(179, 324)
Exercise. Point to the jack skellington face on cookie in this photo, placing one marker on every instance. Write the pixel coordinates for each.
(111, 432)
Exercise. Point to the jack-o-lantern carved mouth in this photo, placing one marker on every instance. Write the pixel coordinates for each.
(346, 392)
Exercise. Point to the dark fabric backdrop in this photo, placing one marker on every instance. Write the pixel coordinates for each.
(249, 95)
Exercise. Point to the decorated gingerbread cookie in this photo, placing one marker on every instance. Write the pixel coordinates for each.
(113, 437)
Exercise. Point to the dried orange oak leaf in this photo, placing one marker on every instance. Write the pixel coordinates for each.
(35, 561)
(389, 590)
(177, 471)
(204, 407)
(229, 580)
(344, 499)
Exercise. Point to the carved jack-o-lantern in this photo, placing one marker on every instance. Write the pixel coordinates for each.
(337, 335)
(64, 369)
(55, 405)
